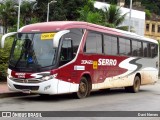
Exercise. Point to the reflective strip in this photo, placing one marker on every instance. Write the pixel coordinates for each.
(79, 67)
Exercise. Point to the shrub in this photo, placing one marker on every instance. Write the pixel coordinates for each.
(4, 57)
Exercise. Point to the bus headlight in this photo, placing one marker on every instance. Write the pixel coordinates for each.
(49, 77)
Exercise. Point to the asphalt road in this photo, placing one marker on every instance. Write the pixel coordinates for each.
(148, 99)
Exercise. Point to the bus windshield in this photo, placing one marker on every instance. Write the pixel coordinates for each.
(33, 50)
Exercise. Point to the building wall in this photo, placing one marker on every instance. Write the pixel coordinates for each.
(137, 24)
(137, 17)
(152, 29)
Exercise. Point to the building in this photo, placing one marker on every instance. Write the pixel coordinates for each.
(137, 17)
(121, 3)
(152, 27)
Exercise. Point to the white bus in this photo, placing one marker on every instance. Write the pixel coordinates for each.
(67, 56)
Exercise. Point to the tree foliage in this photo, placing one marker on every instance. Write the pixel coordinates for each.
(110, 17)
(148, 14)
(61, 10)
(28, 12)
(7, 14)
(90, 14)
(41, 10)
(113, 16)
(4, 57)
(152, 5)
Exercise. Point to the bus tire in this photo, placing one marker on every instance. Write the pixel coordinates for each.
(83, 90)
(136, 85)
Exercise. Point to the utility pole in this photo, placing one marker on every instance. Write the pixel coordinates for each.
(129, 29)
(53, 1)
(19, 9)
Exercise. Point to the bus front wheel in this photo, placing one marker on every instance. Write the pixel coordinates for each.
(136, 85)
(83, 90)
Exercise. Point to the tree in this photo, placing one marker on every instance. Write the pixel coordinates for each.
(4, 57)
(113, 16)
(27, 15)
(58, 11)
(148, 14)
(110, 17)
(152, 5)
(27, 12)
(61, 10)
(7, 14)
(41, 10)
(90, 14)
(70, 8)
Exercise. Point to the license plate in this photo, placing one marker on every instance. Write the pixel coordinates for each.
(26, 91)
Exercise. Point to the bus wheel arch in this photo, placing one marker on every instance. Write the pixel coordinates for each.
(139, 75)
(136, 84)
(85, 86)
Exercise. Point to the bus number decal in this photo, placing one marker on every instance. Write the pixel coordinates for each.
(84, 62)
(100, 62)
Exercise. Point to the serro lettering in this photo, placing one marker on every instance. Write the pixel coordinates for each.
(107, 62)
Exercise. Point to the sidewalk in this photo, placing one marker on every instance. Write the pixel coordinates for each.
(3, 87)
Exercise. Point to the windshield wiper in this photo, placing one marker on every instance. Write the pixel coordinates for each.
(22, 53)
(25, 50)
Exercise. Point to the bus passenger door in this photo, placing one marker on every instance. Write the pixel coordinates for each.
(66, 55)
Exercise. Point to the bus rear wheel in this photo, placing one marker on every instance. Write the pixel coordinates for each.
(136, 85)
(83, 90)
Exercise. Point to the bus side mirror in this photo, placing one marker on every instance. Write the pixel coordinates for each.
(58, 36)
(5, 36)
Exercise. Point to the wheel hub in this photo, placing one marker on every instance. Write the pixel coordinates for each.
(82, 87)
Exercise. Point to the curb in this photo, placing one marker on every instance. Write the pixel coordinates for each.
(13, 94)
(8, 93)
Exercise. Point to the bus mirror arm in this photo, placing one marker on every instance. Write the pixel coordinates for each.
(58, 36)
(5, 36)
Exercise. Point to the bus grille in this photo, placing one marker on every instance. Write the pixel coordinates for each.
(26, 87)
(27, 80)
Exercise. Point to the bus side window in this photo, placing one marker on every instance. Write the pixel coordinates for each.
(134, 48)
(145, 51)
(149, 49)
(110, 45)
(93, 43)
(154, 50)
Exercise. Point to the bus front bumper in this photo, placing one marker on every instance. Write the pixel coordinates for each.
(45, 87)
